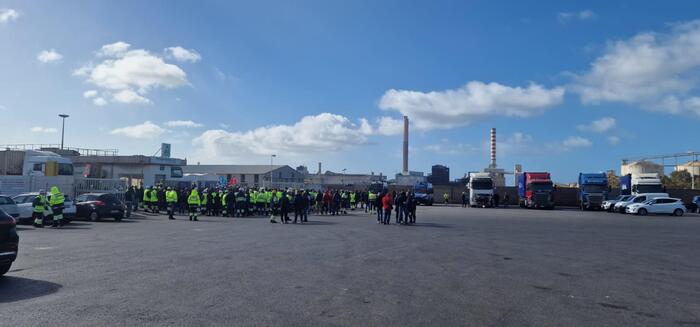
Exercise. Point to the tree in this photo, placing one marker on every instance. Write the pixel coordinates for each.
(679, 179)
(613, 180)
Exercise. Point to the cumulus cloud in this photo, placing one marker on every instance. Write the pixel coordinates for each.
(182, 123)
(49, 56)
(181, 54)
(39, 129)
(8, 15)
(89, 94)
(475, 100)
(655, 71)
(100, 101)
(598, 126)
(147, 130)
(613, 140)
(447, 148)
(127, 75)
(129, 97)
(566, 17)
(322, 133)
(389, 126)
(576, 142)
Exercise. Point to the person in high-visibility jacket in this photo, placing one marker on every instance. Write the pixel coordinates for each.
(372, 199)
(56, 201)
(224, 203)
(240, 203)
(147, 199)
(38, 209)
(193, 203)
(353, 200)
(154, 201)
(171, 199)
(203, 201)
(446, 197)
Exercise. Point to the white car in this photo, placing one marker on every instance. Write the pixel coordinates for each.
(658, 206)
(639, 198)
(24, 204)
(609, 205)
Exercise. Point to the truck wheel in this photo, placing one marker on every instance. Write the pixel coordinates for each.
(93, 216)
(642, 212)
(678, 213)
(5, 268)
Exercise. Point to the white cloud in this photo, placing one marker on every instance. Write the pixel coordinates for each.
(182, 123)
(39, 129)
(447, 148)
(89, 94)
(452, 108)
(147, 130)
(181, 54)
(576, 142)
(323, 133)
(100, 102)
(389, 126)
(655, 71)
(565, 17)
(8, 15)
(598, 126)
(127, 75)
(116, 49)
(613, 139)
(129, 97)
(49, 56)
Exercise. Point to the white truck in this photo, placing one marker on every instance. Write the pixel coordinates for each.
(23, 171)
(647, 183)
(480, 187)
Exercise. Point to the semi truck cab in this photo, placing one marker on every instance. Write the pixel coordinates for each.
(536, 190)
(593, 190)
(423, 193)
(480, 187)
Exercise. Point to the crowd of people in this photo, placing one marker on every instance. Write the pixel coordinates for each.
(276, 203)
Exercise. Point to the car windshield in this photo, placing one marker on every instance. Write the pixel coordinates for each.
(541, 186)
(625, 197)
(594, 188)
(5, 200)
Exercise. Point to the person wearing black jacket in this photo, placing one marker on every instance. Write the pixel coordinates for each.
(399, 203)
(301, 201)
(139, 197)
(161, 199)
(129, 198)
(284, 208)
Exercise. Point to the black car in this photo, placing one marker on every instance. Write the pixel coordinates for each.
(95, 206)
(9, 241)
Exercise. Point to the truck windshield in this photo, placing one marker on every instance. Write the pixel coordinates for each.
(594, 188)
(482, 184)
(541, 186)
(657, 188)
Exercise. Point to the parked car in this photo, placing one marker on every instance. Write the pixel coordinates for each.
(9, 241)
(95, 206)
(609, 205)
(24, 204)
(658, 206)
(639, 198)
(9, 206)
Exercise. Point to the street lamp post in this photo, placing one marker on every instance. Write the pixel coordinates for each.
(63, 127)
(271, 157)
(342, 179)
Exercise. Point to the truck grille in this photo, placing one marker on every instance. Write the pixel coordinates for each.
(595, 199)
(542, 199)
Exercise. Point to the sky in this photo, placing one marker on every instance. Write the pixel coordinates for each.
(570, 86)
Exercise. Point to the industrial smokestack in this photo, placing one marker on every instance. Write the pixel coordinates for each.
(405, 145)
(319, 169)
(493, 148)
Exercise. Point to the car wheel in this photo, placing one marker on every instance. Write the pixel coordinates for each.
(93, 216)
(642, 212)
(5, 268)
(678, 212)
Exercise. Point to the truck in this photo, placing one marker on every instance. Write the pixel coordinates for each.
(480, 187)
(633, 184)
(536, 190)
(423, 193)
(24, 171)
(593, 189)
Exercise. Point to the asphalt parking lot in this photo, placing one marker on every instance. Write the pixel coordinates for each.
(475, 267)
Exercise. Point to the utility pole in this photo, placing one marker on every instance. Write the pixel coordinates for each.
(271, 157)
(63, 128)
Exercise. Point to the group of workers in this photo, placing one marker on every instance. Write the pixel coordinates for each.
(403, 204)
(48, 206)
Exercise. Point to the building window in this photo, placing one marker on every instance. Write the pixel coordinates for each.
(162, 167)
(242, 178)
(256, 178)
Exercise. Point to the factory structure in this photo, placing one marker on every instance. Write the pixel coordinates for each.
(498, 175)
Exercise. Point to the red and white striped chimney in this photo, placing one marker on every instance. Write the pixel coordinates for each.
(493, 148)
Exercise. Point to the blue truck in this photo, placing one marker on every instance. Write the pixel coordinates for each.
(423, 192)
(593, 189)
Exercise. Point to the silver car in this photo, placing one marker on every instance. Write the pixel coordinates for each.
(9, 206)
(24, 205)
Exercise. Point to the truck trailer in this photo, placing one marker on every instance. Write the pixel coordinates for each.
(480, 186)
(536, 190)
(592, 190)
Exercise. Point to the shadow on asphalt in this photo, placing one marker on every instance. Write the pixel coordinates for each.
(433, 225)
(17, 288)
(318, 223)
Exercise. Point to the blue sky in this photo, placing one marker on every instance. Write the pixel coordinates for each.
(570, 86)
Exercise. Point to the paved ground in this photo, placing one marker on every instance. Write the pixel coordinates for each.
(476, 267)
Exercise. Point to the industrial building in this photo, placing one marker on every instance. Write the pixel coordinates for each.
(440, 175)
(134, 170)
(279, 176)
(641, 167)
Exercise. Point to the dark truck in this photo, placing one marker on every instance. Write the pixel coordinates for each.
(536, 190)
(592, 190)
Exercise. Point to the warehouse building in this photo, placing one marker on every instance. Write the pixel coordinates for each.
(278, 176)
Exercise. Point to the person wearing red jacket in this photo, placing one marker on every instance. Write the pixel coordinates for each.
(387, 201)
